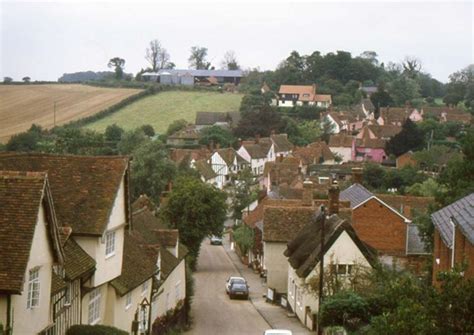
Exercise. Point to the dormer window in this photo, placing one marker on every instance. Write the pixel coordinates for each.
(110, 244)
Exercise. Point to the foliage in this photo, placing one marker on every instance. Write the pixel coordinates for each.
(151, 170)
(26, 141)
(252, 101)
(230, 61)
(198, 58)
(7, 80)
(260, 121)
(117, 63)
(461, 88)
(410, 138)
(197, 210)
(426, 229)
(113, 133)
(158, 56)
(243, 195)
(373, 175)
(303, 133)
(428, 188)
(77, 141)
(435, 156)
(344, 308)
(148, 130)
(175, 126)
(244, 237)
(94, 330)
(381, 98)
(403, 90)
(216, 135)
(26, 79)
(131, 140)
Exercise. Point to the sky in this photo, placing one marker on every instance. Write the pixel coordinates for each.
(44, 39)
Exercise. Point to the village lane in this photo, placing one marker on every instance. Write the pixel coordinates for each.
(212, 310)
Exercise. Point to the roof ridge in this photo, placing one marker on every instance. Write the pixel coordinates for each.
(22, 174)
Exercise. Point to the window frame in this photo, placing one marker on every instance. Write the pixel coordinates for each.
(128, 301)
(95, 297)
(110, 238)
(34, 289)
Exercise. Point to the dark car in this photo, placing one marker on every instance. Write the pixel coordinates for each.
(239, 290)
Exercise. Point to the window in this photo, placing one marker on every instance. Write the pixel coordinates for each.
(110, 244)
(128, 300)
(94, 306)
(33, 289)
(67, 295)
(144, 287)
(176, 288)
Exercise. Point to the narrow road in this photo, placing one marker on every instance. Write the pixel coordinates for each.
(212, 310)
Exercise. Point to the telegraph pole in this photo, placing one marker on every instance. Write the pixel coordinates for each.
(321, 268)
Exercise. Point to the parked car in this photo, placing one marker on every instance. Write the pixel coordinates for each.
(277, 332)
(239, 290)
(216, 240)
(231, 280)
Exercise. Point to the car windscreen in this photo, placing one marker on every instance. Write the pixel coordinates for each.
(239, 286)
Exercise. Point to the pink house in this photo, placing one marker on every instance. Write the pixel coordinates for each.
(368, 149)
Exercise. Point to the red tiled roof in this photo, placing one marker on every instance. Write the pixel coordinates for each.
(313, 153)
(340, 141)
(84, 188)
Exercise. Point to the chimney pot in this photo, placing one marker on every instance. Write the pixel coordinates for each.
(307, 193)
(357, 175)
(333, 198)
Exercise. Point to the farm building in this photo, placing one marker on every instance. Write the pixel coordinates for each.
(191, 77)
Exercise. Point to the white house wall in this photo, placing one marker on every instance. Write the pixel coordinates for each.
(276, 265)
(344, 152)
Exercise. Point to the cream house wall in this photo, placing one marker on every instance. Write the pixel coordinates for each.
(344, 152)
(276, 265)
(32, 321)
(108, 267)
(170, 292)
(103, 316)
(343, 251)
(122, 314)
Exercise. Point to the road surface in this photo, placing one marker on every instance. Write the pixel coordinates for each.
(212, 311)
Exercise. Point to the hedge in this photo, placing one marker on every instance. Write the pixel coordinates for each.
(95, 330)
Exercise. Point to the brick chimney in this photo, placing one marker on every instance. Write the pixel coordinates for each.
(357, 175)
(333, 195)
(307, 193)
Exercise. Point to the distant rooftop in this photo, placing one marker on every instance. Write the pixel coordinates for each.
(197, 73)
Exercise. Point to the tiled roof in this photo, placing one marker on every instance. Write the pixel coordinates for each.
(229, 155)
(148, 225)
(303, 251)
(367, 142)
(168, 237)
(57, 283)
(189, 132)
(281, 142)
(77, 261)
(143, 201)
(305, 92)
(385, 131)
(84, 188)
(281, 224)
(406, 204)
(314, 153)
(20, 201)
(168, 263)
(178, 155)
(255, 150)
(336, 141)
(205, 169)
(462, 212)
(356, 194)
(322, 98)
(394, 114)
(137, 265)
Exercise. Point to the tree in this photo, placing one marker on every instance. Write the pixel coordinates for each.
(411, 67)
(327, 129)
(131, 140)
(381, 98)
(158, 56)
(230, 61)
(371, 56)
(261, 121)
(461, 87)
(197, 210)
(78, 141)
(26, 79)
(26, 141)
(7, 80)
(117, 63)
(373, 175)
(175, 126)
(198, 58)
(217, 135)
(244, 238)
(243, 195)
(410, 138)
(151, 170)
(148, 130)
(113, 133)
(403, 90)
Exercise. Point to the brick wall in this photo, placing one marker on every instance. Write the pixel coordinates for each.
(380, 227)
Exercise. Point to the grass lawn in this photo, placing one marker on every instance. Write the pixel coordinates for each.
(163, 108)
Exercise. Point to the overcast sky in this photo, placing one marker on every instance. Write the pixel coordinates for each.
(43, 40)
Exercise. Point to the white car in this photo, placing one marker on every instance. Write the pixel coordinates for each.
(277, 332)
(232, 280)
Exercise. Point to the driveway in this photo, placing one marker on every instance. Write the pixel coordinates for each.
(212, 310)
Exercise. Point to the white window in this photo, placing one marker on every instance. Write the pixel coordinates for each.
(94, 306)
(128, 300)
(144, 287)
(67, 295)
(176, 288)
(33, 289)
(110, 244)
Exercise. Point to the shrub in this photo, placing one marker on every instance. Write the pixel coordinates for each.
(94, 330)
(345, 308)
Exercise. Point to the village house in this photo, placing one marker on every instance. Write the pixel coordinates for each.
(454, 238)
(341, 146)
(406, 159)
(178, 155)
(91, 198)
(226, 163)
(302, 95)
(32, 256)
(282, 171)
(344, 121)
(345, 256)
(314, 153)
(385, 228)
(368, 149)
(376, 131)
(222, 119)
(187, 137)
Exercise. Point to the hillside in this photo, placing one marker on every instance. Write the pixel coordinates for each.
(161, 109)
(23, 105)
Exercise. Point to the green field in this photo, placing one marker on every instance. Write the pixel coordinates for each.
(163, 108)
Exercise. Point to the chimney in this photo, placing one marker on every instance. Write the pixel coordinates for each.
(333, 198)
(406, 211)
(240, 142)
(357, 175)
(257, 138)
(218, 145)
(307, 193)
(211, 144)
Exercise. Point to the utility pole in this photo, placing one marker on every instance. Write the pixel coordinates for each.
(54, 123)
(321, 267)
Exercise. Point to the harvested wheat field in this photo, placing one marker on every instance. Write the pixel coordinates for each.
(23, 105)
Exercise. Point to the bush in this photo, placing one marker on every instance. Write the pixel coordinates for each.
(94, 330)
(346, 309)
